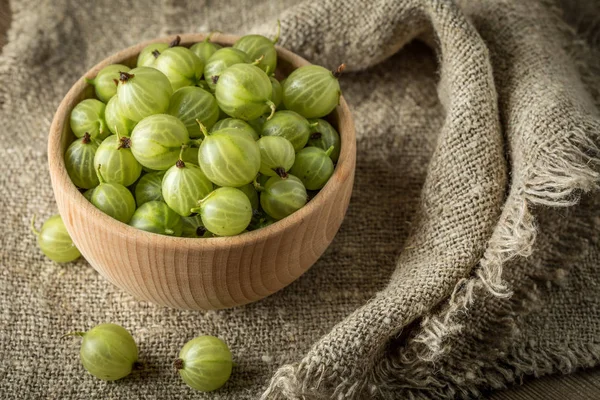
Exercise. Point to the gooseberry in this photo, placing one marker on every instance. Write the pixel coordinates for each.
(113, 199)
(156, 141)
(90, 192)
(235, 123)
(108, 351)
(205, 49)
(180, 65)
(192, 103)
(106, 81)
(277, 95)
(323, 135)
(88, 116)
(220, 61)
(142, 92)
(193, 227)
(289, 125)
(312, 91)
(226, 211)
(257, 46)
(313, 166)
(149, 188)
(115, 120)
(149, 54)
(281, 197)
(205, 363)
(276, 155)
(157, 217)
(79, 162)
(54, 240)
(115, 161)
(244, 91)
(250, 192)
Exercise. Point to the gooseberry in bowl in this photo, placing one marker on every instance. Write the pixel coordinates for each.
(192, 262)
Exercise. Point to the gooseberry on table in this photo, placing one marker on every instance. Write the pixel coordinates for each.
(54, 240)
(205, 363)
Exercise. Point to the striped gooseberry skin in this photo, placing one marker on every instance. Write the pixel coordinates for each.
(105, 82)
(313, 166)
(277, 155)
(235, 123)
(312, 91)
(277, 95)
(323, 135)
(205, 49)
(193, 227)
(55, 242)
(88, 194)
(282, 197)
(290, 125)
(142, 92)
(115, 200)
(108, 352)
(88, 116)
(190, 155)
(193, 103)
(115, 161)
(205, 363)
(252, 195)
(115, 120)
(157, 217)
(180, 65)
(229, 158)
(147, 58)
(257, 46)
(220, 61)
(183, 185)
(79, 162)
(156, 141)
(244, 91)
(149, 188)
(226, 211)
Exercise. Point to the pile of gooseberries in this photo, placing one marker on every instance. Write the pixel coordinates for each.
(204, 141)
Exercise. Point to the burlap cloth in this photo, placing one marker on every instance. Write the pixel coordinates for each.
(468, 258)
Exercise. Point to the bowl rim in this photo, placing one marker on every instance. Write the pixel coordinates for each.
(344, 168)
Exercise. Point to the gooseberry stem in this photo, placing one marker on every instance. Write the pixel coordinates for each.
(207, 39)
(178, 364)
(273, 109)
(124, 76)
(276, 38)
(329, 151)
(81, 334)
(32, 226)
(169, 231)
(202, 128)
(90, 81)
(100, 178)
(258, 60)
(175, 41)
(180, 163)
(281, 172)
(338, 72)
(257, 186)
(86, 138)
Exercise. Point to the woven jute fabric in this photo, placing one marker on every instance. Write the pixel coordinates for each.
(469, 255)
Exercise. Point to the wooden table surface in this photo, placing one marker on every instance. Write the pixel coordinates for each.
(582, 385)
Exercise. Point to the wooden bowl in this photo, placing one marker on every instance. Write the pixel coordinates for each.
(195, 273)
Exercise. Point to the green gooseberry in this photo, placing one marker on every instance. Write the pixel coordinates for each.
(190, 154)
(156, 141)
(277, 155)
(157, 217)
(149, 54)
(220, 61)
(88, 116)
(205, 363)
(180, 65)
(258, 123)
(190, 104)
(142, 92)
(290, 125)
(193, 227)
(250, 191)
(277, 95)
(281, 197)
(90, 192)
(79, 162)
(183, 185)
(313, 166)
(205, 49)
(226, 211)
(115, 120)
(257, 46)
(108, 351)
(115, 161)
(149, 188)
(106, 81)
(312, 91)
(260, 219)
(54, 240)
(235, 123)
(324, 136)
(244, 91)
(229, 157)
(114, 199)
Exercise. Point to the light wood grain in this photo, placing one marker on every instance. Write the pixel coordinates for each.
(209, 273)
